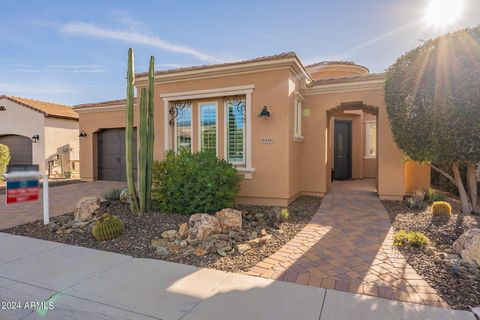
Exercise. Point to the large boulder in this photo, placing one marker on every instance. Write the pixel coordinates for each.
(230, 219)
(85, 209)
(468, 245)
(201, 225)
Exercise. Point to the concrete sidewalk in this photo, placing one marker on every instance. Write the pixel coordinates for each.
(90, 284)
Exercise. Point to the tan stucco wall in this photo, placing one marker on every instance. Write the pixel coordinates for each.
(20, 120)
(417, 176)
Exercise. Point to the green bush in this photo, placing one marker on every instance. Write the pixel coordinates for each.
(434, 195)
(411, 238)
(416, 200)
(284, 214)
(192, 183)
(4, 158)
(112, 194)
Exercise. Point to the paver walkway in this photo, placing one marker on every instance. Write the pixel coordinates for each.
(348, 246)
(62, 200)
(96, 285)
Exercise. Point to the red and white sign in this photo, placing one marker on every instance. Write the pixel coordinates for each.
(22, 191)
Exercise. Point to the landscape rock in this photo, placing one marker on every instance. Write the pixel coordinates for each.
(183, 230)
(163, 251)
(221, 252)
(243, 247)
(429, 251)
(86, 206)
(169, 234)
(159, 243)
(52, 227)
(221, 244)
(183, 243)
(468, 245)
(201, 225)
(230, 219)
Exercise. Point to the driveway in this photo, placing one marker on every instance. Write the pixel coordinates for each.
(80, 283)
(62, 200)
(348, 246)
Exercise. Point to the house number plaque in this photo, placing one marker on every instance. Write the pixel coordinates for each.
(266, 140)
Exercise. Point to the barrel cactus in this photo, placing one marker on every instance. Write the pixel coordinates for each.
(108, 227)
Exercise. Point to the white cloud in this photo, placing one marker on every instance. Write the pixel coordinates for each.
(88, 29)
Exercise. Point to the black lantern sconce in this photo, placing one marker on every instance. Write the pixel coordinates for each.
(264, 113)
(35, 138)
(82, 134)
(2, 108)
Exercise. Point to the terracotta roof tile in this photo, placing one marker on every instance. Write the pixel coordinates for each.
(201, 67)
(326, 63)
(371, 76)
(102, 104)
(48, 109)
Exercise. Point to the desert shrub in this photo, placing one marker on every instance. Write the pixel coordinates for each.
(284, 214)
(112, 194)
(108, 227)
(4, 158)
(189, 183)
(416, 200)
(434, 195)
(441, 208)
(411, 238)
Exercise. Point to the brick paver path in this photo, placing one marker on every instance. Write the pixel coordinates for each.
(348, 245)
(62, 200)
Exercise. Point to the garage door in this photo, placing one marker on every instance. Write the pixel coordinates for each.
(20, 149)
(111, 155)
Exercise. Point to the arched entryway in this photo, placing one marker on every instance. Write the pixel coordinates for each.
(352, 140)
(20, 149)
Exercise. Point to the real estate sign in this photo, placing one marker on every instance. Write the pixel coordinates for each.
(22, 191)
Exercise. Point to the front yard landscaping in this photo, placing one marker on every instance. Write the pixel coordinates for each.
(157, 235)
(456, 280)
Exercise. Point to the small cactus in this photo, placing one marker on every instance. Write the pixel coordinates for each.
(108, 227)
(441, 208)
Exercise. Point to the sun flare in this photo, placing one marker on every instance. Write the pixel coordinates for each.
(442, 13)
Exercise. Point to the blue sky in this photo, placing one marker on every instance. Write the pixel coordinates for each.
(75, 51)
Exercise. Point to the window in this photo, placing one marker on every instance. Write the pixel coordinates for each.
(297, 126)
(235, 132)
(183, 128)
(208, 127)
(370, 139)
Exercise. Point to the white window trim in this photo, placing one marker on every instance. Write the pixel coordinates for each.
(367, 140)
(246, 90)
(175, 147)
(225, 138)
(297, 125)
(200, 124)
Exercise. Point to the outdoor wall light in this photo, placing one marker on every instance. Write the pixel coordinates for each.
(264, 113)
(35, 138)
(82, 134)
(2, 108)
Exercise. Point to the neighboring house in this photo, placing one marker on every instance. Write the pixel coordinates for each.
(41, 133)
(287, 128)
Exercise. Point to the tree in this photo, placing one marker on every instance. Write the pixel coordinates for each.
(432, 95)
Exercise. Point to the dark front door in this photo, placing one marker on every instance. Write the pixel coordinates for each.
(20, 149)
(111, 154)
(342, 150)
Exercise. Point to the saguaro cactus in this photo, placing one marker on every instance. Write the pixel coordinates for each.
(146, 136)
(129, 135)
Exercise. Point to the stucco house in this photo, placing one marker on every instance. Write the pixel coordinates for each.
(41, 133)
(289, 129)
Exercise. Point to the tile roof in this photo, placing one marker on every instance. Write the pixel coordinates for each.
(102, 104)
(326, 63)
(367, 77)
(48, 109)
(284, 55)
